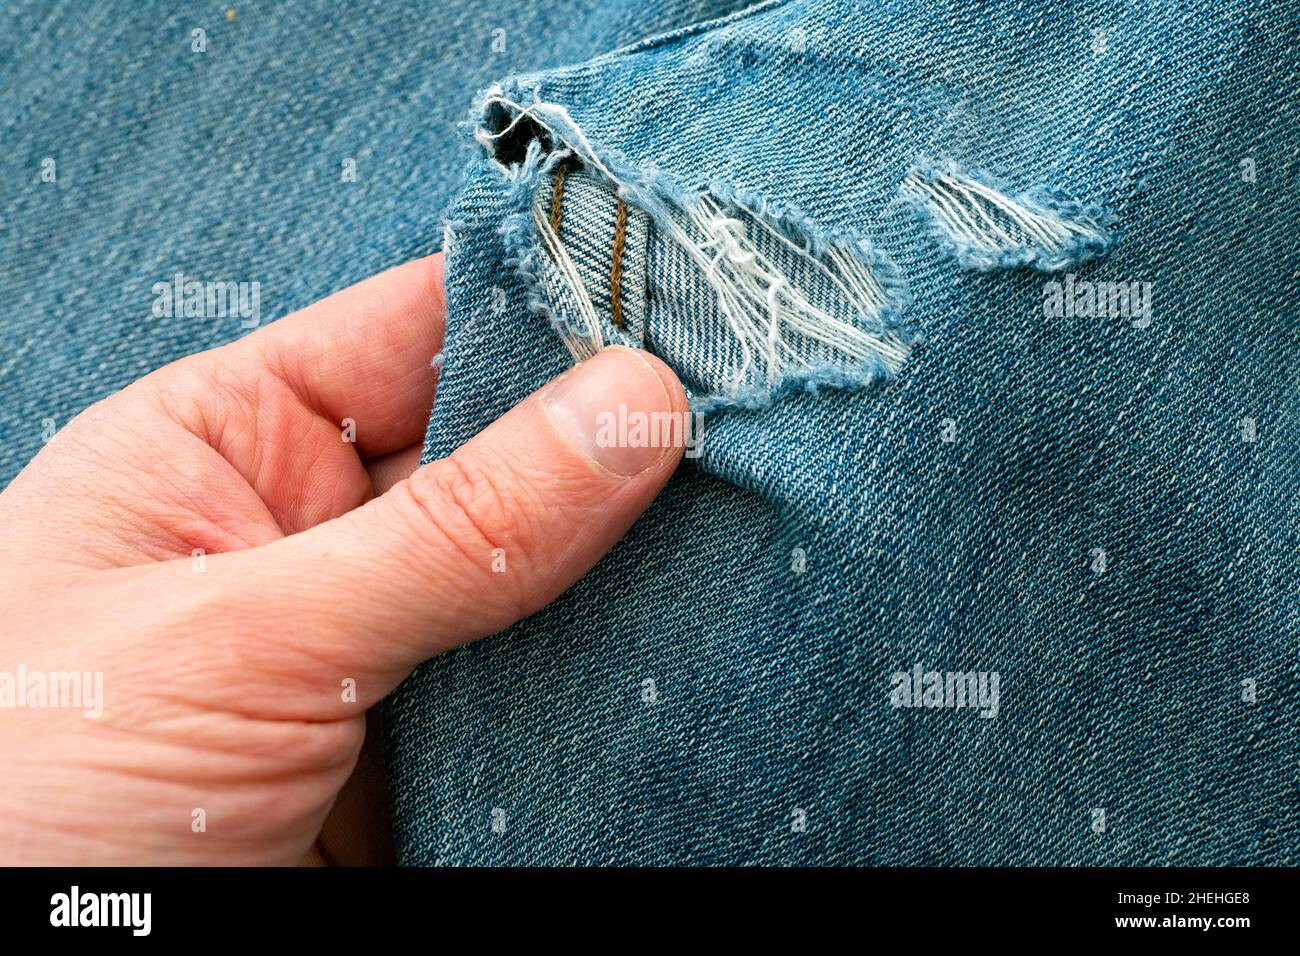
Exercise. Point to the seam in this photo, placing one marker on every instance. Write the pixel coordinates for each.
(557, 199)
(616, 266)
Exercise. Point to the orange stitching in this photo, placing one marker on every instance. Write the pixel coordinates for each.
(557, 201)
(616, 270)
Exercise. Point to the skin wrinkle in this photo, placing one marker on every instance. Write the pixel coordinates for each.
(303, 747)
(276, 435)
(169, 534)
(266, 430)
(455, 479)
(324, 494)
(209, 771)
(215, 432)
(191, 498)
(311, 664)
(145, 522)
(288, 745)
(236, 809)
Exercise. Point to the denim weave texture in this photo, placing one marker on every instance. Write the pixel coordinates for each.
(1098, 508)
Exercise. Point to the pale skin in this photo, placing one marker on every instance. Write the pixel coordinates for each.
(209, 541)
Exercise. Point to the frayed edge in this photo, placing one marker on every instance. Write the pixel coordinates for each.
(809, 380)
(978, 222)
(586, 338)
(869, 281)
(523, 253)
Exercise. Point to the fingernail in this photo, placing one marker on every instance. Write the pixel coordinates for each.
(610, 409)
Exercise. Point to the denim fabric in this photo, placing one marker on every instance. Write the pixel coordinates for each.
(588, 210)
(1098, 508)
(228, 165)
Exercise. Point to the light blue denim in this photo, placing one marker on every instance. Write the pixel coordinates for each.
(1096, 505)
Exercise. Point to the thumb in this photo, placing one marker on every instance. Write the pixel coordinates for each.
(471, 543)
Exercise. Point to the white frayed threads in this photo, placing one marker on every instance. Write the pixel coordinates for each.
(790, 312)
(586, 341)
(984, 219)
(552, 116)
(768, 313)
(772, 319)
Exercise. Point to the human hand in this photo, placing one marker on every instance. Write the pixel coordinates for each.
(248, 581)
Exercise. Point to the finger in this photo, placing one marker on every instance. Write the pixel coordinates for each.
(463, 548)
(292, 406)
(388, 470)
(365, 354)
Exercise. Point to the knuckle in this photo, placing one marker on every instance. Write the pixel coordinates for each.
(475, 504)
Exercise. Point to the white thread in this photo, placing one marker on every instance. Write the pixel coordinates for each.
(759, 302)
(966, 209)
(590, 341)
(762, 305)
(537, 111)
